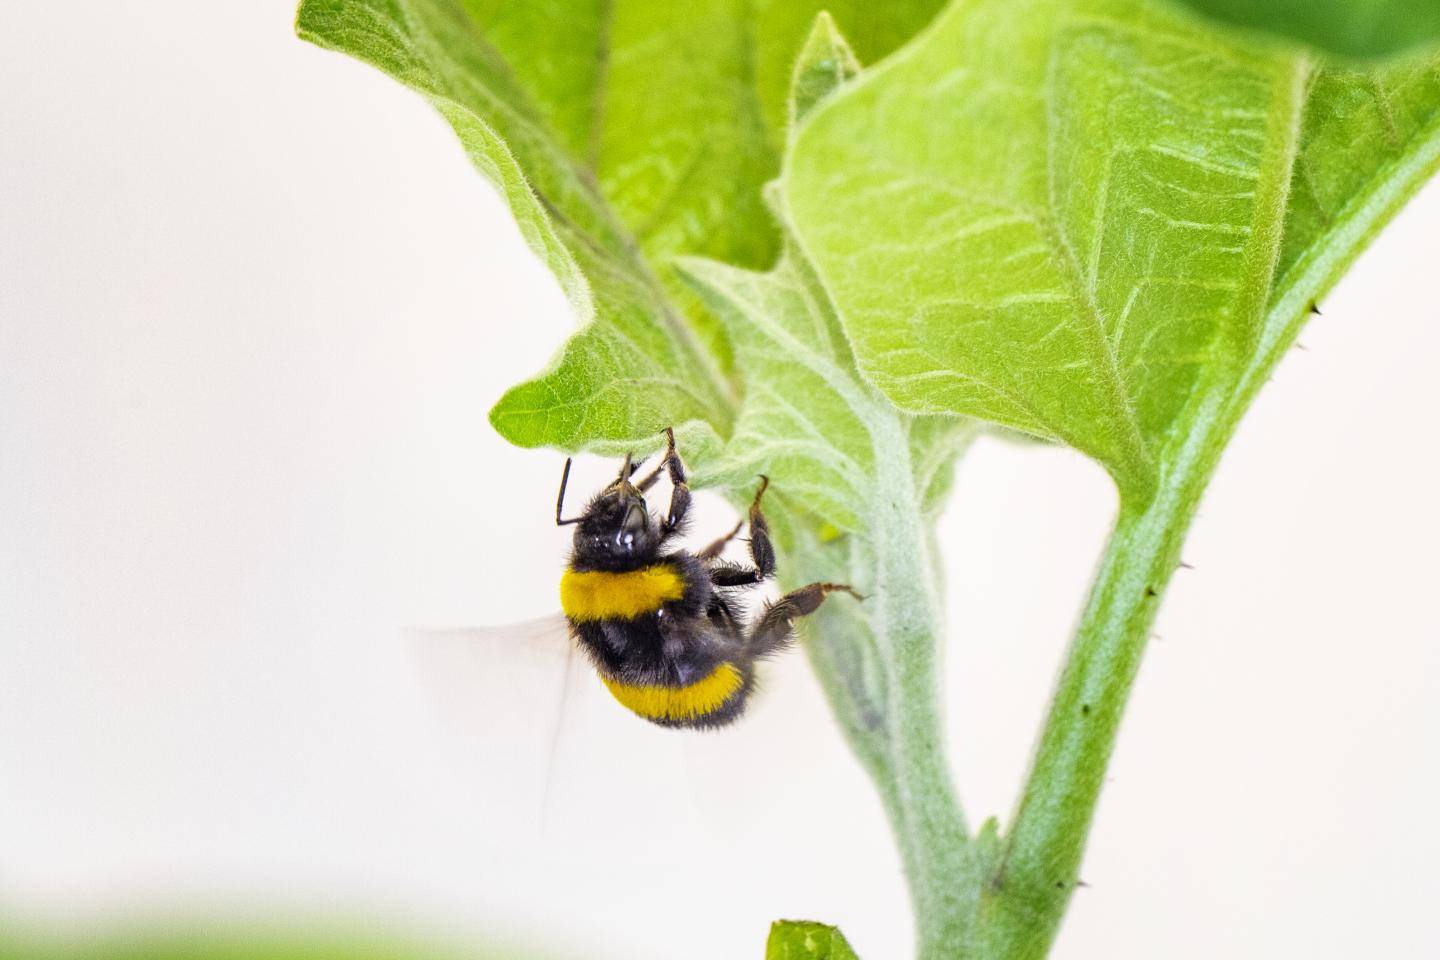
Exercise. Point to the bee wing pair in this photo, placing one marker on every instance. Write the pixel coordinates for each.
(492, 670)
(540, 634)
(487, 686)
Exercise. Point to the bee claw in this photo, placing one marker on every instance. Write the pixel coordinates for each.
(764, 485)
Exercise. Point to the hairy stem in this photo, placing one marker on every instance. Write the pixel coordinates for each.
(879, 665)
(1039, 868)
(978, 897)
(1041, 861)
(925, 811)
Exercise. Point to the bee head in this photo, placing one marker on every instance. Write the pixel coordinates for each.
(616, 528)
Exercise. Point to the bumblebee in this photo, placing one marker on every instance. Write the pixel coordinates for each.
(666, 629)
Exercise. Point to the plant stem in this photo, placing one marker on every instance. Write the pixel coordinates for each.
(978, 898)
(975, 897)
(925, 811)
(1039, 869)
(879, 664)
(1027, 895)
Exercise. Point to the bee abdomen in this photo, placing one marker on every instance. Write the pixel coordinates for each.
(714, 699)
(590, 595)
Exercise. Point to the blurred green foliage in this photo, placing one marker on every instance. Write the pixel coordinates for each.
(191, 940)
(1362, 29)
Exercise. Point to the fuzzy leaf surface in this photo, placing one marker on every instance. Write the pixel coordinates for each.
(1064, 211)
(622, 133)
(1369, 140)
(1061, 216)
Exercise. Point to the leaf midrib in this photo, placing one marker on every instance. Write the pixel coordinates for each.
(1133, 464)
(603, 42)
(524, 110)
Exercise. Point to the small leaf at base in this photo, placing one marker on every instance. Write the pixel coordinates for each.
(806, 940)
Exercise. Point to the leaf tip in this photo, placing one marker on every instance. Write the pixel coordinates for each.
(307, 16)
(826, 61)
(514, 416)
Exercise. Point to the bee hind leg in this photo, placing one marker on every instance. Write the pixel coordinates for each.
(773, 631)
(714, 550)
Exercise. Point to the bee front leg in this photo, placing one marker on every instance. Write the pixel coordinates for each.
(648, 481)
(679, 503)
(679, 495)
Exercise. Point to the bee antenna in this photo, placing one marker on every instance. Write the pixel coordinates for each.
(560, 500)
(625, 470)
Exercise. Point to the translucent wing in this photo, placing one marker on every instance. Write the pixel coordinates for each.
(550, 631)
(502, 695)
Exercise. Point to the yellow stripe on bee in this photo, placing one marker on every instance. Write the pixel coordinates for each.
(601, 595)
(679, 703)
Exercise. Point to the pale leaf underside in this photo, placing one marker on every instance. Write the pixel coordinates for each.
(1073, 211)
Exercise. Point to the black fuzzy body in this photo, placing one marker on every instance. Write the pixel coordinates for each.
(693, 644)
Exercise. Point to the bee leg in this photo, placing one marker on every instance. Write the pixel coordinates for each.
(762, 552)
(725, 574)
(714, 550)
(679, 493)
(773, 631)
(679, 503)
(648, 481)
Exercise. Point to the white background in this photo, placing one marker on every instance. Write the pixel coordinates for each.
(254, 306)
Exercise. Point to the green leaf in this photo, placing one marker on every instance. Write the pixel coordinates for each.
(807, 420)
(632, 331)
(1084, 220)
(622, 133)
(855, 482)
(804, 940)
(1369, 140)
(1349, 28)
(1074, 282)
(1075, 218)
